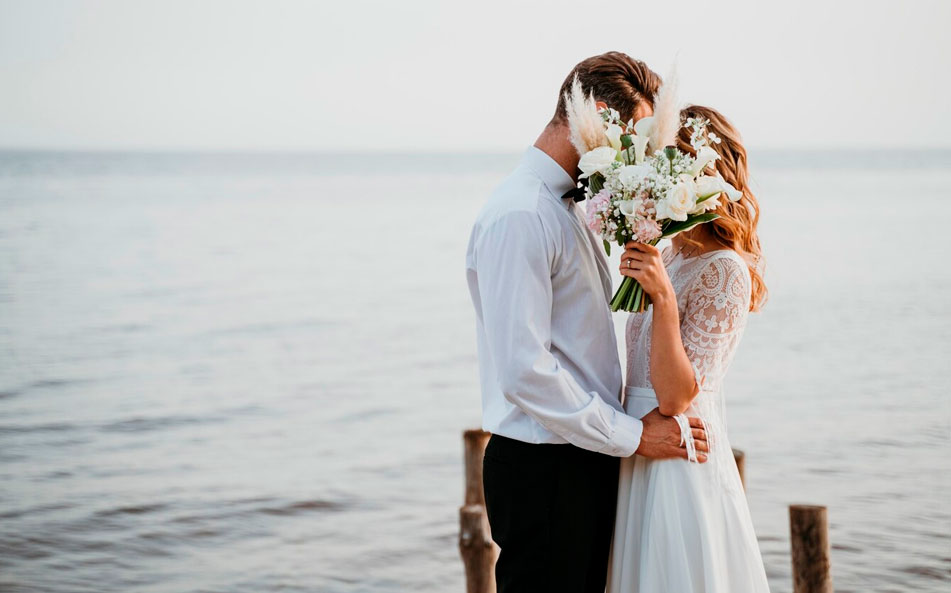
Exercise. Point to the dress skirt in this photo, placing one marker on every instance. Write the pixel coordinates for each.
(683, 527)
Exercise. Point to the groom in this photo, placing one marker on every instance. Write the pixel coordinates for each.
(551, 379)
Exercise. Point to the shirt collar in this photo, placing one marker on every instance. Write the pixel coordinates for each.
(552, 175)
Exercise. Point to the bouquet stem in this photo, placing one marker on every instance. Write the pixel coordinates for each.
(630, 296)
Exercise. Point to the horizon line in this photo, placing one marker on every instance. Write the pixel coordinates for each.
(418, 152)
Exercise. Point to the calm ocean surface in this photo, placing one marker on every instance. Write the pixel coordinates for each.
(250, 373)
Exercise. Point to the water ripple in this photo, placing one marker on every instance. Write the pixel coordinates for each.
(32, 428)
(143, 424)
(303, 506)
(140, 509)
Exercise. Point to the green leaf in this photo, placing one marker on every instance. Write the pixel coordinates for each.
(607, 247)
(672, 227)
(596, 183)
(620, 237)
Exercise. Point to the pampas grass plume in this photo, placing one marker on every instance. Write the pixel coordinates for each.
(666, 114)
(584, 122)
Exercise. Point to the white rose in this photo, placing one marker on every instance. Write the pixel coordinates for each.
(613, 134)
(705, 156)
(596, 161)
(679, 201)
(631, 175)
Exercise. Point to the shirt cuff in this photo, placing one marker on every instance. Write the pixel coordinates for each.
(627, 436)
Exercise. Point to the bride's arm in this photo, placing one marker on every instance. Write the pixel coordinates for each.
(688, 353)
(672, 373)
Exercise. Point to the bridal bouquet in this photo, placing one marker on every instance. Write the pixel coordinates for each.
(638, 185)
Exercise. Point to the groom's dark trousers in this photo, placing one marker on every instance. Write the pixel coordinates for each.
(551, 509)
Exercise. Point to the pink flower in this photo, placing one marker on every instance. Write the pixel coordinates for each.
(647, 229)
(646, 209)
(597, 207)
(594, 220)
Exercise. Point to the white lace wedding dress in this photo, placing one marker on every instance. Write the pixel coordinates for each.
(684, 527)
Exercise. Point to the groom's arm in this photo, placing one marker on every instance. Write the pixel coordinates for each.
(514, 263)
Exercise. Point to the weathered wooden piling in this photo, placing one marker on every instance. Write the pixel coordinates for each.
(740, 458)
(809, 540)
(475, 442)
(475, 538)
(477, 549)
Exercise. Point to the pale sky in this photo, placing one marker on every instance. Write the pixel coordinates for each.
(424, 75)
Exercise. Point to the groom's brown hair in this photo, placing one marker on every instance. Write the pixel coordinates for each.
(615, 78)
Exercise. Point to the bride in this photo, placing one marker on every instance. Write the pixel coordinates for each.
(685, 527)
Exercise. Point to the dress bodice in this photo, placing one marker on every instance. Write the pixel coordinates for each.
(713, 299)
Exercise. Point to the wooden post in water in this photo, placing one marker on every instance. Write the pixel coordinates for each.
(809, 540)
(477, 549)
(475, 442)
(475, 539)
(740, 458)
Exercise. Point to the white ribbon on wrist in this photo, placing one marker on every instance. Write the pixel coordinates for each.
(686, 437)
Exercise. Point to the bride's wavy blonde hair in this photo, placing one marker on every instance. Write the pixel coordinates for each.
(736, 227)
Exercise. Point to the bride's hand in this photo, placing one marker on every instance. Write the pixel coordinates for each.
(644, 263)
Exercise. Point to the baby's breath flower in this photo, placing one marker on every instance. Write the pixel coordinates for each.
(610, 116)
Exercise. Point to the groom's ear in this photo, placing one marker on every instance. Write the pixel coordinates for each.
(601, 105)
(644, 109)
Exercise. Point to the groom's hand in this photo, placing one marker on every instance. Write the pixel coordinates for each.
(661, 438)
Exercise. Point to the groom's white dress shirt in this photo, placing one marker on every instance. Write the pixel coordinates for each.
(540, 284)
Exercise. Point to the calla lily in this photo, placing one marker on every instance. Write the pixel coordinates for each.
(639, 143)
(705, 156)
(707, 204)
(708, 186)
(639, 139)
(627, 207)
(613, 134)
(644, 126)
(731, 192)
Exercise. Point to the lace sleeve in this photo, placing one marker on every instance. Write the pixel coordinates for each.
(716, 309)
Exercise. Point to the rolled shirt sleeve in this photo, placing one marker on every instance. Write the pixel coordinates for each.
(514, 260)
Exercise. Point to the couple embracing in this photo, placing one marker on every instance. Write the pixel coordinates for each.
(595, 483)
